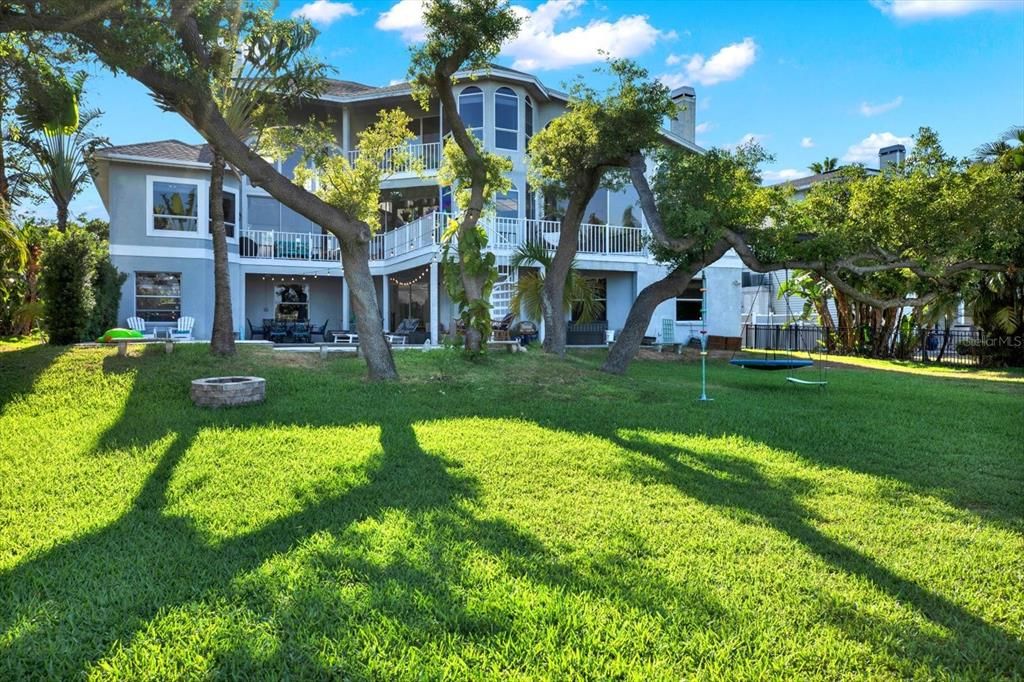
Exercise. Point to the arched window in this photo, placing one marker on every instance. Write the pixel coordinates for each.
(528, 123)
(471, 109)
(506, 119)
(506, 205)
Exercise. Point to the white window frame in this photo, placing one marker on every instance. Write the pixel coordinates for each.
(202, 208)
(238, 207)
(528, 113)
(483, 111)
(306, 290)
(513, 190)
(690, 299)
(515, 131)
(135, 295)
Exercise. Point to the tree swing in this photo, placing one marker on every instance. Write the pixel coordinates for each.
(772, 361)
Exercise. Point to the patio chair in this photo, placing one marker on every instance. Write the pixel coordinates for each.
(253, 332)
(139, 325)
(501, 327)
(278, 332)
(301, 333)
(406, 327)
(183, 330)
(320, 331)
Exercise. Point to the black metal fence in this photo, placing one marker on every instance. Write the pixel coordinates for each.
(956, 346)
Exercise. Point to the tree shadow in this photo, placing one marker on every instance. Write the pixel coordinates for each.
(738, 486)
(21, 368)
(69, 606)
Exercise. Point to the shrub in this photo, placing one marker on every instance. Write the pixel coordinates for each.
(80, 288)
(106, 286)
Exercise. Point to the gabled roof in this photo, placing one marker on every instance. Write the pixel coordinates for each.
(338, 88)
(163, 150)
(350, 91)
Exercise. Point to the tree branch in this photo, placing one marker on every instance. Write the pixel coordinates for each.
(637, 173)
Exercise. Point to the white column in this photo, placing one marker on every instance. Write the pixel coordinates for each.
(346, 130)
(385, 302)
(345, 304)
(435, 295)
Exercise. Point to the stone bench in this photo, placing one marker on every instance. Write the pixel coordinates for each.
(122, 344)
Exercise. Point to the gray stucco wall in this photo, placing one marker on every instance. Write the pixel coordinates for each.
(127, 205)
(324, 298)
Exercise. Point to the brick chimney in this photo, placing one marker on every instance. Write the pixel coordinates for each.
(684, 124)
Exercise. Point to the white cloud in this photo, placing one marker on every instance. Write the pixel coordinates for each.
(702, 128)
(727, 64)
(406, 17)
(919, 10)
(782, 175)
(673, 59)
(807, 143)
(325, 12)
(867, 109)
(539, 46)
(749, 138)
(866, 151)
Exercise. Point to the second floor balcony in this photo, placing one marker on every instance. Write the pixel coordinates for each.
(423, 156)
(423, 236)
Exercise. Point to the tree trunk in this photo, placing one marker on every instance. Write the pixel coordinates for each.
(355, 259)
(628, 343)
(222, 341)
(557, 274)
(62, 217)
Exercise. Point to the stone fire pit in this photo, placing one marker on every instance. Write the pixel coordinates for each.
(228, 391)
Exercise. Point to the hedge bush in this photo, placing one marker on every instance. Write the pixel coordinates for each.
(80, 288)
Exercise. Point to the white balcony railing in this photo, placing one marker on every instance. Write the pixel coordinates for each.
(426, 155)
(504, 235)
(419, 234)
(289, 246)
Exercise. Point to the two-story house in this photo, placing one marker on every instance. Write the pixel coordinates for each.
(284, 267)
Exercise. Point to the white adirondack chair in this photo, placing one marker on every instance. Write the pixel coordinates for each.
(139, 325)
(183, 332)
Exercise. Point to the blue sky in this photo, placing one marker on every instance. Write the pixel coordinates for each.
(808, 79)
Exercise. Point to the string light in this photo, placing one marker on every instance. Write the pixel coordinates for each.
(414, 280)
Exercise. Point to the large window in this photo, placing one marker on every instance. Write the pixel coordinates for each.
(528, 123)
(291, 302)
(531, 202)
(158, 296)
(426, 129)
(506, 119)
(688, 306)
(471, 109)
(230, 202)
(507, 204)
(264, 213)
(600, 286)
(175, 206)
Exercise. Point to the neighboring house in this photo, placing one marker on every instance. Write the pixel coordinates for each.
(761, 301)
(283, 266)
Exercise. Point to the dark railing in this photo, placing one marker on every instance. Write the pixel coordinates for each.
(956, 346)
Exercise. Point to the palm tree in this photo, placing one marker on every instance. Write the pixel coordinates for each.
(1008, 149)
(579, 291)
(56, 135)
(253, 79)
(827, 166)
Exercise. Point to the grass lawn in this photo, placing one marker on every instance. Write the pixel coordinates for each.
(522, 517)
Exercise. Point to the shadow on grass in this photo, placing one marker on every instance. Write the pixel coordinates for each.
(66, 608)
(20, 368)
(974, 647)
